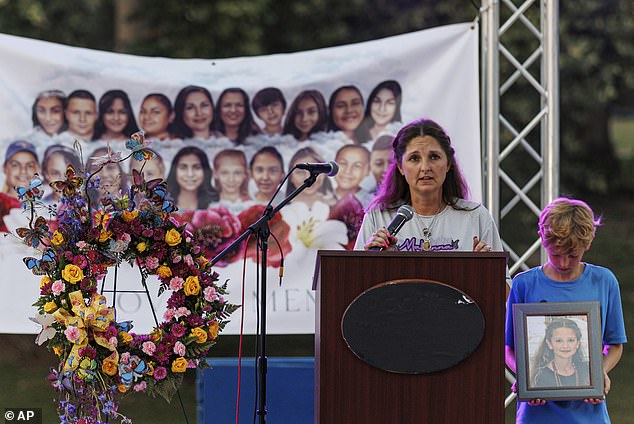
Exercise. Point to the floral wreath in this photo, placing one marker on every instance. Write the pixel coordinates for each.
(100, 358)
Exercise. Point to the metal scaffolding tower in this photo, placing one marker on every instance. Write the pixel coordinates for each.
(532, 47)
(526, 43)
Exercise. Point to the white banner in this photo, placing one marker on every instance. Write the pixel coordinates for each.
(314, 106)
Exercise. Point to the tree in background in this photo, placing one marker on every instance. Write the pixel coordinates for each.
(596, 50)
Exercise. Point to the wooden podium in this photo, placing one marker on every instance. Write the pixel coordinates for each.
(349, 391)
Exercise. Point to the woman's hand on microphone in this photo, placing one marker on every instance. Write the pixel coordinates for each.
(381, 238)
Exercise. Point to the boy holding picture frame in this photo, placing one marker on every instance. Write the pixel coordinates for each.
(567, 228)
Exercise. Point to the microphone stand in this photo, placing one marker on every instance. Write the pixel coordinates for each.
(261, 230)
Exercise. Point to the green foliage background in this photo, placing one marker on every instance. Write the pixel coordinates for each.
(596, 111)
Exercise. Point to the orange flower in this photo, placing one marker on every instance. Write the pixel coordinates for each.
(109, 366)
(164, 271)
(214, 328)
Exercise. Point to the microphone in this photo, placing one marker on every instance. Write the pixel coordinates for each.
(404, 214)
(331, 168)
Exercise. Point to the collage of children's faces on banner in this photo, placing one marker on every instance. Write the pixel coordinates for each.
(213, 153)
(224, 150)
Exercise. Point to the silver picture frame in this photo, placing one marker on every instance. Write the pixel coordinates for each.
(536, 354)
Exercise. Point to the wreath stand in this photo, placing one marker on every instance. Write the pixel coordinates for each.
(145, 290)
(262, 232)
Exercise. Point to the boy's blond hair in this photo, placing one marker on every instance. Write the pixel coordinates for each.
(567, 224)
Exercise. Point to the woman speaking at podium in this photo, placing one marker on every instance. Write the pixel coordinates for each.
(426, 176)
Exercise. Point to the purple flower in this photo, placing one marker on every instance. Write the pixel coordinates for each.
(160, 373)
(178, 330)
(80, 261)
(194, 320)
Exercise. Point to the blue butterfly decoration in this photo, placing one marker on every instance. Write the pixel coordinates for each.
(168, 206)
(139, 147)
(34, 235)
(32, 192)
(40, 266)
(124, 326)
(133, 370)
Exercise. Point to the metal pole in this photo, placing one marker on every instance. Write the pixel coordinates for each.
(551, 74)
(550, 127)
(491, 20)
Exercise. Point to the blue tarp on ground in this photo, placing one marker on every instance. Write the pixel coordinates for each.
(289, 395)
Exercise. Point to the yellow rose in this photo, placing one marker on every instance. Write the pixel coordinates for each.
(50, 307)
(179, 365)
(109, 366)
(141, 247)
(164, 271)
(156, 334)
(104, 235)
(202, 261)
(214, 327)
(72, 273)
(129, 216)
(58, 350)
(173, 237)
(125, 337)
(44, 281)
(191, 286)
(57, 238)
(200, 334)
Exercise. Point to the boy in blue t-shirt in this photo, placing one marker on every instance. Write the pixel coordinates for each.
(567, 228)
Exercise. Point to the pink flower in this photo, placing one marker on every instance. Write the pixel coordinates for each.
(126, 238)
(152, 263)
(176, 283)
(179, 349)
(177, 259)
(125, 357)
(182, 312)
(139, 387)
(214, 228)
(112, 341)
(189, 260)
(160, 373)
(58, 287)
(210, 294)
(80, 261)
(191, 364)
(148, 348)
(169, 315)
(72, 334)
(81, 245)
(350, 211)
